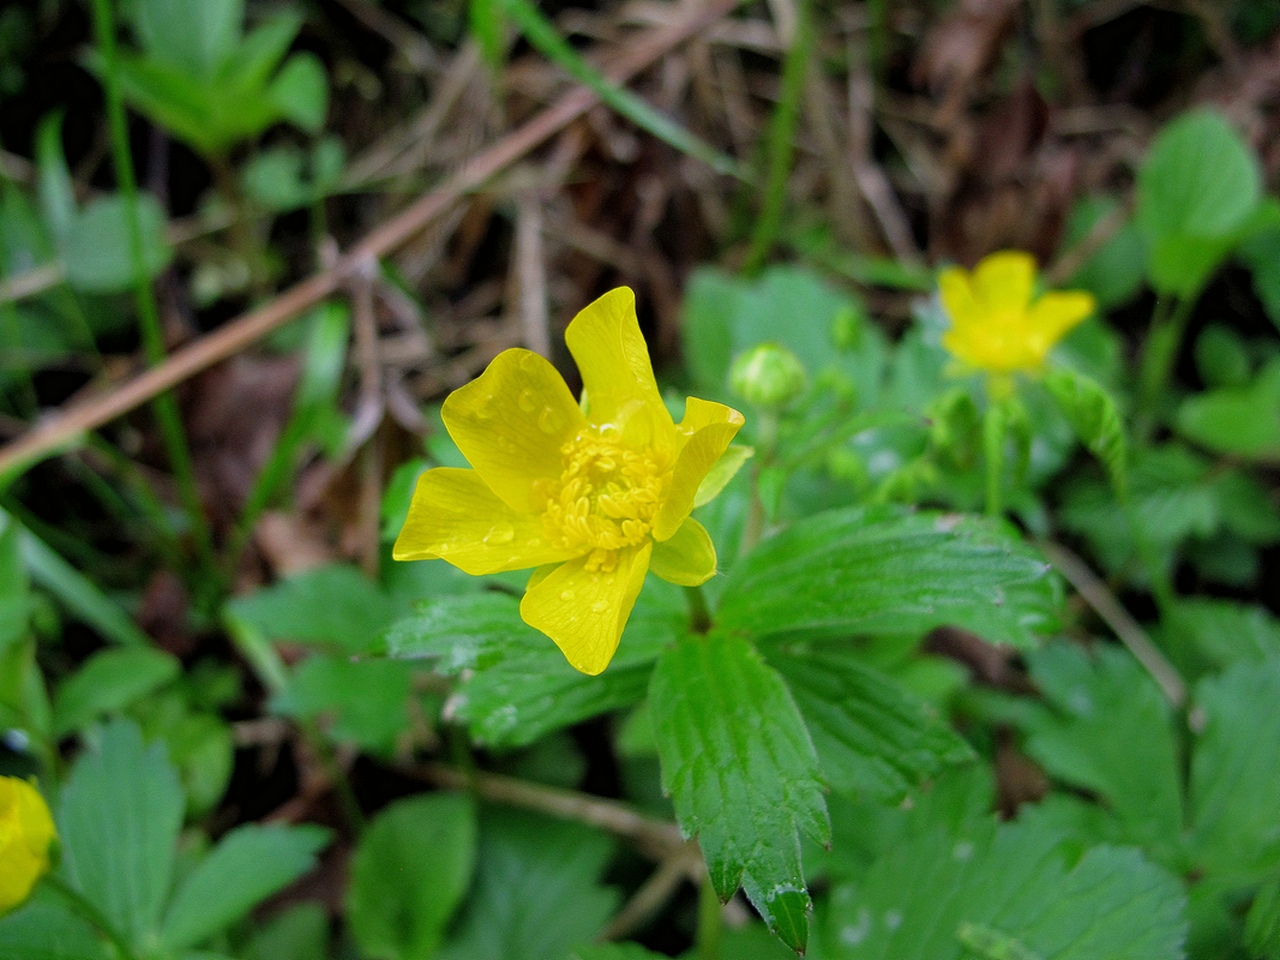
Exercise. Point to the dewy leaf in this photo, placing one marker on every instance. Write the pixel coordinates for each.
(118, 821)
(1009, 892)
(739, 764)
(1092, 413)
(537, 891)
(873, 738)
(1197, 190)
(885, 570)
(409, 874)
(108, 681)
(1107, 728)
(1235, 790)
(248, 865)
(517, 686)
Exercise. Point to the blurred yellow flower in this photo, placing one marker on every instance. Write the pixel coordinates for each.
(26, 833)
(998, 325)
(593, 496)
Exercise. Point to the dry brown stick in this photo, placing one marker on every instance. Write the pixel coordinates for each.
(683, 863)
(238, 334)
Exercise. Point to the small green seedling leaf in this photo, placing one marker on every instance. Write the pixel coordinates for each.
(109, 681)
(98, 254)
(409, 874)
(1092, 413)
(739, 764)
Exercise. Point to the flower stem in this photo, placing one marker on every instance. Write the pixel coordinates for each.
(766, 450)
(89, 911)
(710, 921)
(993, 431)
(1168, 325)
(166, 407)
(699, 615)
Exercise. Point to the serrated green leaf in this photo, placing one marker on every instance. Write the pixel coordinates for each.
(1107, 728)
(1092, 413)
(1197, 190)
(335, 605)
(248, 865)
(1007, 893)
(537, 891)
(1235, 790)
(742, 771)
(107, 682)
(1237, 421)
(98, 253)
(409, 875)
(872, 737)
(1262, 925)
(1201, 633)
(887, 570)
(517, 686)
(45, 930)
(118, 819)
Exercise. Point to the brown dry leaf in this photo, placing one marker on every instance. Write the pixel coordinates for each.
(960, 48)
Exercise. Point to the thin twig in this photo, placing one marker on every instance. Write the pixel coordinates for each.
(63, 428)
(1104, 603)
(683, 863)
(656, 838)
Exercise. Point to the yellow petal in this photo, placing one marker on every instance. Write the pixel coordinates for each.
(610, 351)
(455, 517)
(26, 831)
(510, 423)
(1057, 312)
(956, 294)
(1005, 281)
(707, 429)
(687, 558)
(583, 611)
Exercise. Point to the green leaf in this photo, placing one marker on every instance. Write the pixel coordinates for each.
(1237, 421)
(1005, 894)
(1262, 926)
(1106, 727)
(57, 194)
(516, 685)
(365, 702)
(1197, 191)
(885, 570)
(1235, 791)
(1262, 253)
(44, 930)
(409, 875)
(286, 178)
(615, 951)
(1092, 413)
(1201, 634)
(300, 92)
(873, 738)
(107, 682)
(1113, 272)
(487, 26)
(335, 605)
(119, 818)
(742, 771)
(98, 254)
(299, 933)
(537, 890)
(192, 36)
(248, 865)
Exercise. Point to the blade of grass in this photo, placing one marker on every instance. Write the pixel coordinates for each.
(78, 593)
(486, 24)
(165, 406)
(780, 141)
(541, 32)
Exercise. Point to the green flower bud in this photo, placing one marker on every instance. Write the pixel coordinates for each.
(768, 376)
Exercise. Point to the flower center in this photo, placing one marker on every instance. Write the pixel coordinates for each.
(606, 496)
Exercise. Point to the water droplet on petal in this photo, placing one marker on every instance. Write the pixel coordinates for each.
(600, 606)
(549, 421)
(527, 401)
(502, 533)
(566, 595)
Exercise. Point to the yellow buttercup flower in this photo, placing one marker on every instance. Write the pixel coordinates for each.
(998, 325)
(26, 833)
(593, 496)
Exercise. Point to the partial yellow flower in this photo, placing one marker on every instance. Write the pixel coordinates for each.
(26, 833)
(593, 496)
(998, 325)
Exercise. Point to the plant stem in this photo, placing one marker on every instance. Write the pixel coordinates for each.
(710, 921)
(766, 450)
(780, 142)
(165, 406)
(993, 430)
(91, 913)
(1168, 325)
(699, 615)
